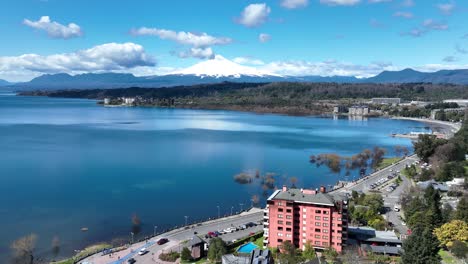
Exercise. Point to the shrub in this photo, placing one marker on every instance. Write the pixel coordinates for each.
(169, 257)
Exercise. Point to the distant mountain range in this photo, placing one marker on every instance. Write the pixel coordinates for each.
(222, 70)
(4, 83)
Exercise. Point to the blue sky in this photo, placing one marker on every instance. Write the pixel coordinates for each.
(300, 37)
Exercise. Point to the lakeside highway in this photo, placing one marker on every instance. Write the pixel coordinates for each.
(177, 236)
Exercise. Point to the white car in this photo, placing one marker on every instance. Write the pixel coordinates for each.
(228, 230)
(142, 251)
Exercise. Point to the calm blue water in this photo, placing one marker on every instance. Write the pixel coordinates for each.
(67, 164)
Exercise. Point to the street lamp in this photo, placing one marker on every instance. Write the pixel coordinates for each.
(155, 227)
(232, 208)
(241, 205)
(131, 233)
(219, 215)
(186, 220)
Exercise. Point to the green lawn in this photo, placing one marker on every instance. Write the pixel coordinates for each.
(259, 242)
(447, 258)
(387, 162)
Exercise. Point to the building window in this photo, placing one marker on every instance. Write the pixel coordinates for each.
(304, 241)
(339, 219)
(304, 228)
(304, 216)
(304, 210)
(280, 204)
(280, 240)
(317, 218)
(333, 224)
(317, 230)
(317, 243)
(280, 209)
(280, 228)
(324, 243)
(288, 235)
(288, 229)
(317, 236)
(317, 224)
(325, 219)
(288, 210)
(280, 216)
(304, 234)
(325, 237)
(288, 217)
(325, 230)
(304, 222)
(280, 222)
(326, 212)
(325, 224)
(288, 223)
(280, 234)
(318, 211)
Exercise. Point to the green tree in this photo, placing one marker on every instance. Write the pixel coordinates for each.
(186, 255)
(216, 249)
(459, 249)
(426, 145)
(450, 170)
(421, 247)
(288, 253)
(330, 255)
(309, 251)
(462, 210)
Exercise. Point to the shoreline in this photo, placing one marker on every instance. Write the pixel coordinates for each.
(439, 126)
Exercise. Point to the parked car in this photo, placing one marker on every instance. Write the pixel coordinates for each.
(142, 251)
(162, 241)
(131, 260)
(228, 230)
(217, 233)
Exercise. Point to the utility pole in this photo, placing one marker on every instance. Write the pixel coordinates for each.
(232, 207)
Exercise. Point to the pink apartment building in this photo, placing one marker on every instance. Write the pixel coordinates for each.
(300, 215)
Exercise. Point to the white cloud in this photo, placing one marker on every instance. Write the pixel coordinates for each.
(182, 37)
(460, 49)
(407, 3)
(326, 68)
(378, 1)
(101, 58)
(427, 26)
(446, 8)
(254, 15)
(248, 61)
(450, 59)
(292, 4)
(340, 2)
(54, 29)
(200, 53)
(403, 14)
(263, 37)
(438, 67)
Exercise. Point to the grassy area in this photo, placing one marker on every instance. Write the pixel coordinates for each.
(259, 242)
(87, 251)
(387, 162)
(447, 258)
(200, 261)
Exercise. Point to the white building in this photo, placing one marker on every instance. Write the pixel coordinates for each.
(359, 110)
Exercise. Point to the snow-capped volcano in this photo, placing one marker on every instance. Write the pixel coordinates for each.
(222, 67)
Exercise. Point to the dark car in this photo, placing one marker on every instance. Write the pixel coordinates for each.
(131, 260)
(162, 241)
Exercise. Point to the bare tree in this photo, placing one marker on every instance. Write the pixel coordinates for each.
(23, 249)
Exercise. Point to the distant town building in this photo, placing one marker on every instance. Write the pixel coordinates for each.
(299, 216)
(339, 109)
(197, 247)
(460, 102)
(359, 110)
(106, 101)
(389, 101)
(436, 185)
(128, 100)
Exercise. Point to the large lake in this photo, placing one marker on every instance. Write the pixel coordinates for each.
(67, 164)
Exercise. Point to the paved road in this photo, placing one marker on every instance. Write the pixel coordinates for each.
(179, 235)
(390, 198)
